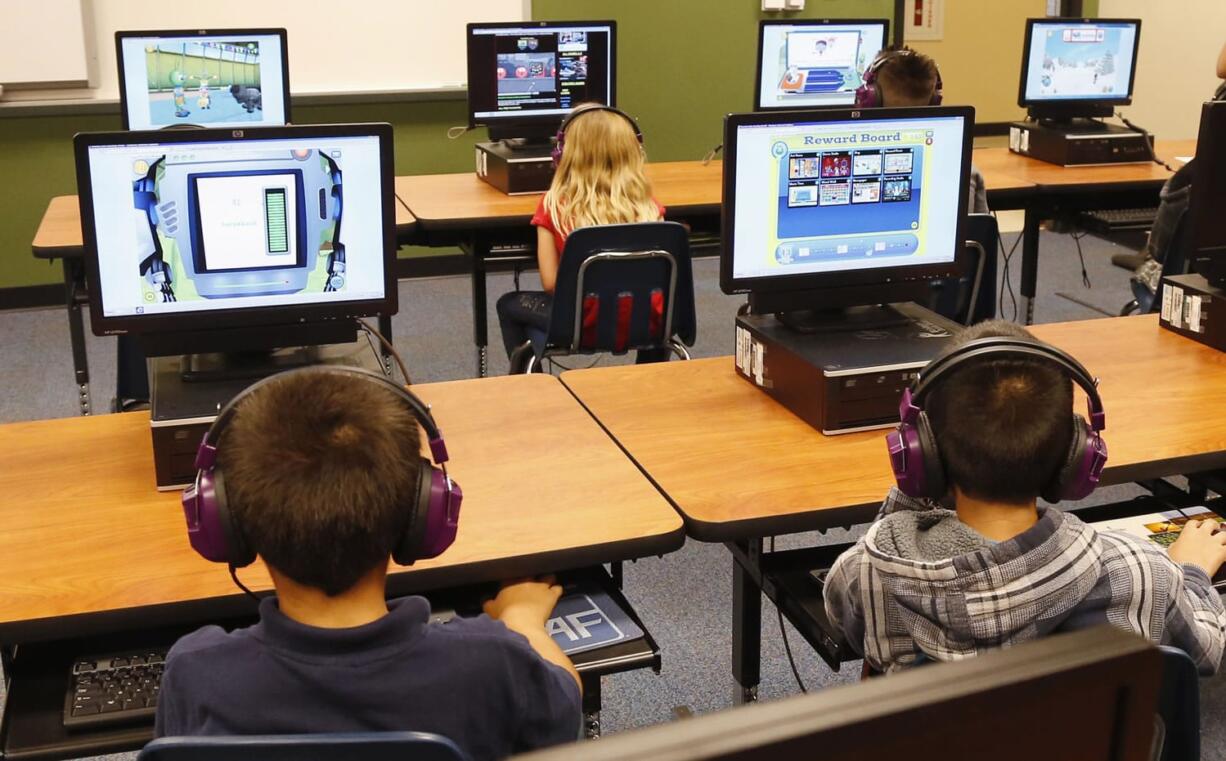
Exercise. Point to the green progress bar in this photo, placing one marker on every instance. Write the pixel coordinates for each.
(274, 214)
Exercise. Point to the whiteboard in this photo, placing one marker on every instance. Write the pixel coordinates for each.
(337, 46)
(36, 52)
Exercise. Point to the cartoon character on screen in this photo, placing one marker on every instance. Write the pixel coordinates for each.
(203, 98)
(249, 98)
(177, 80)
(290, 203)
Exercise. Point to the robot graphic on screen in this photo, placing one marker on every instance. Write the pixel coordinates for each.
(178, 79)
(215, 232)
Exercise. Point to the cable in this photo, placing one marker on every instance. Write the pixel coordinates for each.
(1006, 281)
(595, 362)
(241, 585)
(1145, 136)
(787, 647)
(370, 330)
(711, 154)
(1085, 276)
(457, 132)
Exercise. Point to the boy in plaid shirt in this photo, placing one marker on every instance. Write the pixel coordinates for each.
(932, 583)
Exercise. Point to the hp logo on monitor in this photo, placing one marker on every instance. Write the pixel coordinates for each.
(237, 133)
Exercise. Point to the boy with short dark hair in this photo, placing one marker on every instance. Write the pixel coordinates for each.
(907, 78)
(999, 569)
(320, 471)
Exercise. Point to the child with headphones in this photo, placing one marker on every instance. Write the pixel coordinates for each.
(599, 180)
(900, 77)
(962, 558)
(319, 472)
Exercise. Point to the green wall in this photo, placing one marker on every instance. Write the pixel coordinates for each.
(682, 65)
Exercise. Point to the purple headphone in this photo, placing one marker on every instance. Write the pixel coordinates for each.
(434, 514)
(914, 455)
(868, 95)
(559, 142)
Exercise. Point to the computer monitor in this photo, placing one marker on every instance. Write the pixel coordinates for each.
(524, 77)
(802, 64)
(1206, 233)
(825, 208)
(208, 78)
(1078, 67)
(223, 232)
(1090, 694)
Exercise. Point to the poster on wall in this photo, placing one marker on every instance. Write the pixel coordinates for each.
(924, 20)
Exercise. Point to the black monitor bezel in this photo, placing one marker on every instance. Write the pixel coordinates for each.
(1070, 104)
(763, 24)
(301, 314)
(828, 280)
(473, 122)
(279, 32)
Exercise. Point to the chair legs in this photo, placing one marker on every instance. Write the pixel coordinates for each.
(679, 349)
(1129, 308)
(522, 359)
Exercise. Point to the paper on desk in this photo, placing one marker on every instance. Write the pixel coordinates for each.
(1184, 159)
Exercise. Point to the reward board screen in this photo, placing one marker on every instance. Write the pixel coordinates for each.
(538, 71)
(815, 65)
(226, 80)
(836, 196)
(1081, 61)
(187, 227)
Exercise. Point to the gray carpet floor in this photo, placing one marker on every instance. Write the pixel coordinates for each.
(684, 597)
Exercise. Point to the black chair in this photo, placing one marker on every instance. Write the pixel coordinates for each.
(619, 288)
(971, 298)
(1177, 726)
(1175, 262)
(359, 746)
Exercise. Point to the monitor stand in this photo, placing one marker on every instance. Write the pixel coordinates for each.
(811, 321)
(220, 366)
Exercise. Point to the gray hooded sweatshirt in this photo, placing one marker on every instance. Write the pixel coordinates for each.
(923, 585)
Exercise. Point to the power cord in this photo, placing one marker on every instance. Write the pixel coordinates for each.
(1085, 276)
(787, 647)
(1149, 143)
(1006, 280)
(241, 585)
(454, 133)
(711, 154)
(371, 330)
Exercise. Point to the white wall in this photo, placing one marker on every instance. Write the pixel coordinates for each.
(345, 46)
(1180, 40)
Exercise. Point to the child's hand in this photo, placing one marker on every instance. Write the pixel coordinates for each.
(1199, 545)
(525, 602)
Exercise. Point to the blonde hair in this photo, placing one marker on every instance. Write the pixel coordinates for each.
(600, 179)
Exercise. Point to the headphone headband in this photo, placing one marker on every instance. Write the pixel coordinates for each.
(575, 113)
(1005, 346)
(206, 455)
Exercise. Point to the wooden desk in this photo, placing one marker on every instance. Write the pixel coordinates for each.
(737, 464)
(1053, 178)
(442, 201)
(739, 467)
(88, 545)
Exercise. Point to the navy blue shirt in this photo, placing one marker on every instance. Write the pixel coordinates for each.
(471, 679)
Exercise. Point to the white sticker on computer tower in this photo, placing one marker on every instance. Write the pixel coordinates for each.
(1194, 313)
(742, 340)
(759, 358)
(1166, 302)
(1176, 307)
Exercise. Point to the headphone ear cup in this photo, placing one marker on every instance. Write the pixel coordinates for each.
(409, 545)
(239, 553)
(934, 469)
(1072, 480)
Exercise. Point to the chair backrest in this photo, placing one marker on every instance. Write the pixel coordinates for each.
(1178, 708)
(357, 746)
(1174, 262)
(622, 288)
(971, 297)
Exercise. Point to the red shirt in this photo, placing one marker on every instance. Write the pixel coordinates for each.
(542, 219)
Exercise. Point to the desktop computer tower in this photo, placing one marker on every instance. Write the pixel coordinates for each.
(1079, 145)
(841, 381)
(1194, 309)
(515, 170)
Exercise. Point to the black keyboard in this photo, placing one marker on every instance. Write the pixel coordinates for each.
(1110, 220)
(118, 688)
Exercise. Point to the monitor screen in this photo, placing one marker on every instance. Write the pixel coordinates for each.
(1081, 60)
(538, 71)
(802, 64)
(823, 198)
(221, 78)
(208, 227)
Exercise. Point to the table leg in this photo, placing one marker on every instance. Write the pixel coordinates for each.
(1030, 262)
(591, 707)
(746, 624)
(74, 273)
(478, 251)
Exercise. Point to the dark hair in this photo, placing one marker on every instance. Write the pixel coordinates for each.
(1003, 425)
(320, 471)
(907, 78)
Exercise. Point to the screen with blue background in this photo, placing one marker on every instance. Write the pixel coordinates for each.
(1080, 61)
